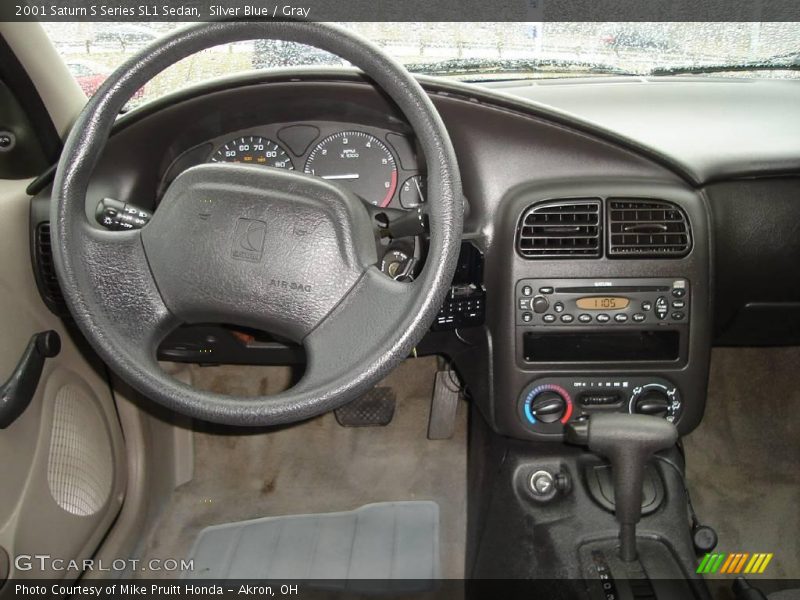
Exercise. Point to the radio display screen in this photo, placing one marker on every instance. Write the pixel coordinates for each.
(602, 303)
(606, 346)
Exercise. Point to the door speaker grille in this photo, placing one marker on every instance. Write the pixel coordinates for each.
(80, 470)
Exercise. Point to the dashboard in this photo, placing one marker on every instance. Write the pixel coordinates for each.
(599, 264)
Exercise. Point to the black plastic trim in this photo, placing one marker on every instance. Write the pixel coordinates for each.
(14, 75)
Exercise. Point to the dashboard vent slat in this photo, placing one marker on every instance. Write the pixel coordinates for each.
(561, 229)
(639, 228)
(48, 281)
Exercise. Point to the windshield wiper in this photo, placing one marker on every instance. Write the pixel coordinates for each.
(487, 69)
(779, 62)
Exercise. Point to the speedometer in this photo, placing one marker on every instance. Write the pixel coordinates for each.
(358, 160)
(254, 150)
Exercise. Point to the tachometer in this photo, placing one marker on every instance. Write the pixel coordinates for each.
(358, 160)
(254, 150)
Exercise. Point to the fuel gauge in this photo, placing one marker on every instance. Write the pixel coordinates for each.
(412, 192)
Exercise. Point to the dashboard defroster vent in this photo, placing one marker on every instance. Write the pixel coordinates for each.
(561, 229)
(647, 228)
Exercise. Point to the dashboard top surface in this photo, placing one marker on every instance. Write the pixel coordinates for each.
(711, 128)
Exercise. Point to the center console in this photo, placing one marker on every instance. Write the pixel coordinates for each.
(605, 289)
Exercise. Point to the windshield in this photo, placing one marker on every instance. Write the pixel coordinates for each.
(466, 51)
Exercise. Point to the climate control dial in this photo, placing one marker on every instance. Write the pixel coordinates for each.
(546, 406)
(657, 400)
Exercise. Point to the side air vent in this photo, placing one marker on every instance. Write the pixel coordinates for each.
(561, 229)
(46, 272)
(647, 228)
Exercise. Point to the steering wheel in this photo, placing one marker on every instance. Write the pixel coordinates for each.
(276, 250)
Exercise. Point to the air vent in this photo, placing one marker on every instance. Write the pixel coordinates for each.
(647, 228)
(46, 272)
(561, 229)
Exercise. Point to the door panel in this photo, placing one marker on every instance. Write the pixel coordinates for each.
(63, 470)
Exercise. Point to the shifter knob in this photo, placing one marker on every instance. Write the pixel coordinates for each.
(628, 442)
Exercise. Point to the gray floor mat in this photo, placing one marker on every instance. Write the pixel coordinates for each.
(386, 540)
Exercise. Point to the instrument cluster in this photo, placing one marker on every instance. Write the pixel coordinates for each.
(377, 165)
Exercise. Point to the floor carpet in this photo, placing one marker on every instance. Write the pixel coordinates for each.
(744, 458)
(318, 466)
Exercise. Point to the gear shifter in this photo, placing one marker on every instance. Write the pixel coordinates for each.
(628, 442)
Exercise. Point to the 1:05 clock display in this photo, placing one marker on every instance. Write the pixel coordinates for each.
(602, 303)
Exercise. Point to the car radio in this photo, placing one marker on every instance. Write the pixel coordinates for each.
(606, 302)
(602, 320)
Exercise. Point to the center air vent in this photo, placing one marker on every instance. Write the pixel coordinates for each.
(561, 229)
(647, 228)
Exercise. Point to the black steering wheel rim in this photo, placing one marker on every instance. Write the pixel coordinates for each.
(107, 278)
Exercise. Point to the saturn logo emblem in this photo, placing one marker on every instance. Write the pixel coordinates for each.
(248, 240)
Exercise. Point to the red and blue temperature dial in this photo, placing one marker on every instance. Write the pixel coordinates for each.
(547, 403)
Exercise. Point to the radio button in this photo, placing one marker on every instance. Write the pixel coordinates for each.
(678, 303)
(546, 290)
(558, 307)
(540, 304)
(527, 290)
(585, 318)
(647, 306)
(679, 292)
(603, 318)
(678, 316)
(549, 318)
(639, 317)
(621, 318)
(527, 317)
(567, 318)
(661, 308)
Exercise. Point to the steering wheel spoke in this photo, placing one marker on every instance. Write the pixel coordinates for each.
(347, 334)
(119, 291)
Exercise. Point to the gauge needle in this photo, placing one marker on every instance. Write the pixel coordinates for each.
(419, 190)
(343, 176)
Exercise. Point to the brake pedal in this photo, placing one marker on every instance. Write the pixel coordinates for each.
(373, 409)
(446, 391)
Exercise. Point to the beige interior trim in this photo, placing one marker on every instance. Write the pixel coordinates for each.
(57, 87)
(28, 507)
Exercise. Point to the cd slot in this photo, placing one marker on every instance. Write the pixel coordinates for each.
(621, 289)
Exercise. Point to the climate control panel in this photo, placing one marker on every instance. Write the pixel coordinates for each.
(546, 404)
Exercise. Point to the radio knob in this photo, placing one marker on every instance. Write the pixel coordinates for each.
(652, 402)
(540, 304)
(548, 407)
